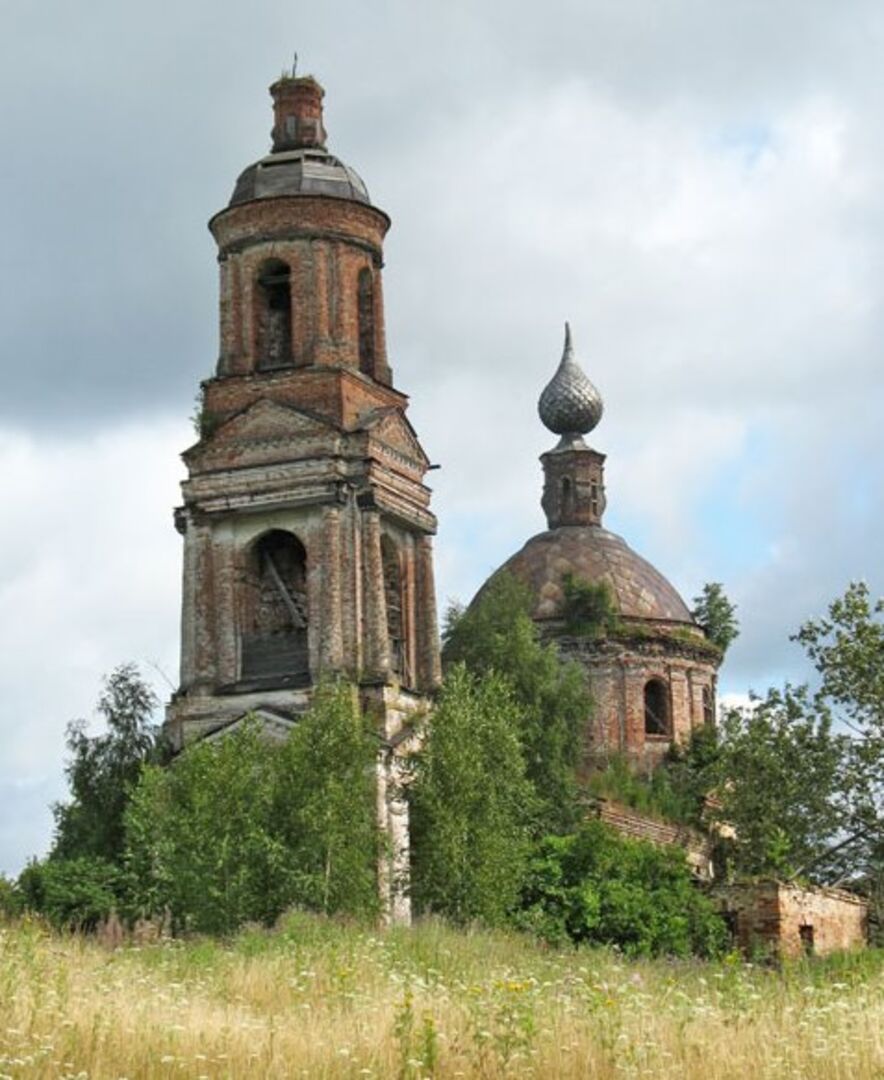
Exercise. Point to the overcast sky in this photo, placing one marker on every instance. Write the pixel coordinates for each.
(697, 186)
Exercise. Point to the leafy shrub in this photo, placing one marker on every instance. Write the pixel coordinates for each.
(73, 894)
(590, 610)
(674, 791)
(102, 769)
(595, 886)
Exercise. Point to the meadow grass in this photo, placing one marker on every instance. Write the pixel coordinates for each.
(316, 998)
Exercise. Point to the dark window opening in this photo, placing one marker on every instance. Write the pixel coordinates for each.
(274, 611)
(274, 315)
(656, 708)
(594, 497)
(393, 598)
(805, 934)
(708, 706)
(365, 311)
(567, 496)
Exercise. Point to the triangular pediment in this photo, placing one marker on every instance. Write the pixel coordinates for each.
(272, 726)
(266, 419)
(264, 426)
(390, 427)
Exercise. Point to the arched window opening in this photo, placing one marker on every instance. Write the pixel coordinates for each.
(274, 611)
(567, 495)
(393, 598)
(365, 311)
(708, 706)
(656, 707)
(274, 315)
(594, 497)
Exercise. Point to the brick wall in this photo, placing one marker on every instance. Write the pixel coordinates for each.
(787, 919)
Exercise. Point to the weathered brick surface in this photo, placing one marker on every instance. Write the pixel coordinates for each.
(618, 672)
(303, 433)
(628, 822)
(787, 920)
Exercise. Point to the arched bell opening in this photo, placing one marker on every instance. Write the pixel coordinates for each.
(657, 718)
(273, 316)
(273, 611)
(392, 568)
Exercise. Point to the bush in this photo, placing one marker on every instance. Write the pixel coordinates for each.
(11, 900)
(675, 790)
(73, 894)
(597, 887)
(590, 609)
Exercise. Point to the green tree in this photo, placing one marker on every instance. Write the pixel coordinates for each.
(102, 769)
(200, 841)
(73, 894)
(497, 634)
(470, 803)
(324, 805)
(716, 615)
(238, 828)
(778, 776)
(847, 649)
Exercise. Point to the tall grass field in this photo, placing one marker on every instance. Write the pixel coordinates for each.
(314, 998)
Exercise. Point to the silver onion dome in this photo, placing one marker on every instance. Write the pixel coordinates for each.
(570, 405)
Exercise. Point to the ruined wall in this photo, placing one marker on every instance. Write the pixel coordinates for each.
(628, 822)
(788, 920)
(617, 675)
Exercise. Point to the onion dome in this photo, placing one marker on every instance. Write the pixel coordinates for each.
(570, 405)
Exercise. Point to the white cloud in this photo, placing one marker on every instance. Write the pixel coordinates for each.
(90, 575)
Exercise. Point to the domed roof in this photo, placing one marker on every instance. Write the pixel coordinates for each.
(304, 171)
(591, 553)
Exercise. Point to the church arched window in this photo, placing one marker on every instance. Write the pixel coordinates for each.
(274, 610)
(365, 313)
(273, 315)
(393, 597)
(656, 707)
(567, 495)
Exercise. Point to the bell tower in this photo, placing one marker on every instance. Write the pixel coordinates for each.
(306, 521)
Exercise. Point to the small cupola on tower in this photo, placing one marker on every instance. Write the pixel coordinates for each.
(297, 113)
(574, 473)
(300, 247)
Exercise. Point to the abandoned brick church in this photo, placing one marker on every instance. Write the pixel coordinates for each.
(306, 520)
(307, 524)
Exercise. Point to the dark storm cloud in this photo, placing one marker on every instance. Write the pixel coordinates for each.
(126, 125)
